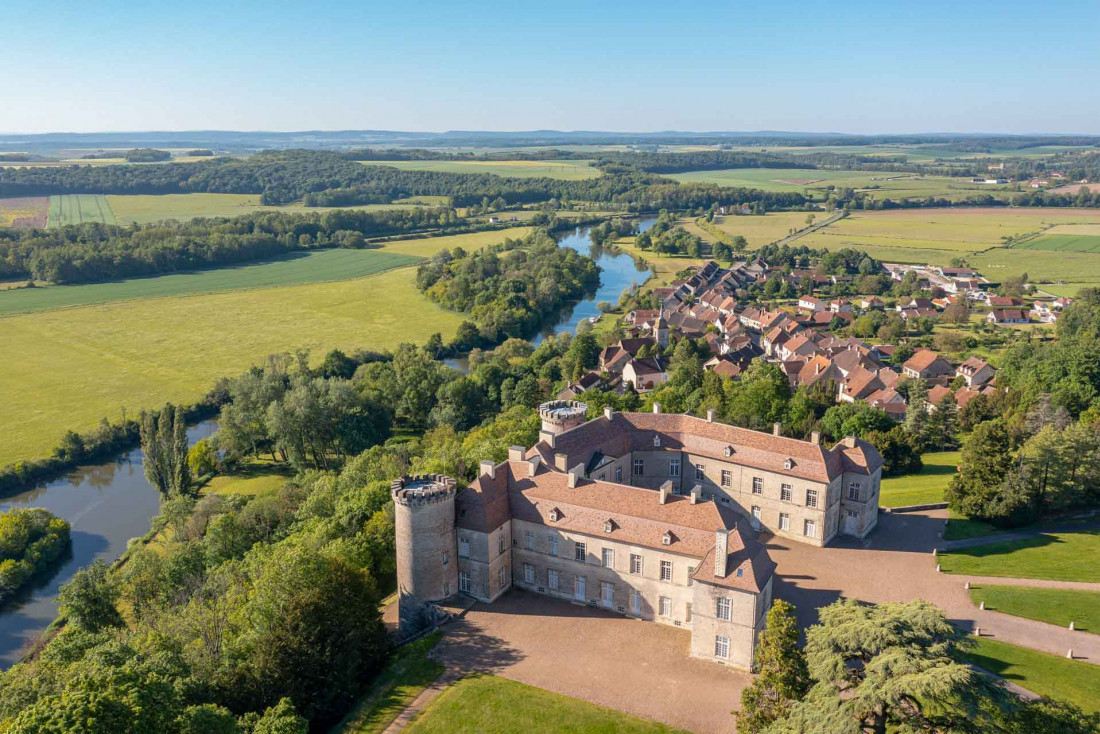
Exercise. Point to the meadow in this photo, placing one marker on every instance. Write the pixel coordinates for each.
(758, 230)
(145, 209)
(24, 211)
(302, 267)
(568, 170)
(68, 368)
(78, 208)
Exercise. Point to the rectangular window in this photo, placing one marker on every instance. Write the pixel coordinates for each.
(618, 474)
(635, 564)
(666, 570)
(853, 491)
(785, 492)
(553, 545)
(446, 589)
(811, 498)
(756, 513)
(609, 558)
(464, 582)
(691, 573)
(674, 467)
(635, 603)
(758, 485)
(553, 579)
(639, 467)
(446, 558)
(700, 471)
(664, 606)
(529, 538)
(528, 573)
(687, 612)
(722, 647)
(500, 543)
(501, 578)
(579, 552)
(727, 478)
(722, 609)
(809, 529)
(784, 521)
(463, 547)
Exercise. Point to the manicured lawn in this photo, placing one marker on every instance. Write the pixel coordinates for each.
(960, 528)
(569, 170)
(1048, 675)
(408, 673)
(67, 368)
(1056, 606)
(304, 267)
(487, 704)
(259, 477)
(1055, 556)
(924, 487)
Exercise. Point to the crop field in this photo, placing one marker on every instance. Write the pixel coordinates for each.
(312, 267)
(1067, 238)
(762, 230)
(67, 368)
(24, 212)
(569, 170)
(79, 208)
(145, 209)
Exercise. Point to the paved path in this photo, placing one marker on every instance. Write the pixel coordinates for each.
(429, 694)
(1069, 526)
(896, 564)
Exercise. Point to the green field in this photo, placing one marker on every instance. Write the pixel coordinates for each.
(78, 208)
(1045, 674)
(569, 170)
(70, 367)
(1055, 606)
(487, 704)
(311, 267)
(924, 487)
(1054, 556)
(145, 209)
(1064, 242)
(758, 230)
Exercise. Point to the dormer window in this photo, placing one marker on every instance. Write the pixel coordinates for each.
(608, 525)
(666, 539)
(728, 452)
(656, 441)
(555, 514)
(788, 464)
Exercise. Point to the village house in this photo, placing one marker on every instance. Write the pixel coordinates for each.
(1007, 316)
(927, 365)
(975, 371)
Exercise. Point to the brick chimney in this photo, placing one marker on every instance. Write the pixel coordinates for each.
(665, 491)
(515, 453)
(776, 429)
(576, 474)
(559, 462)
(710, 415)
(656, 407)
(608, 412)
(488, 467)
(721, 551)
(547, 437)
(815, 438)
(696, 494)
(534, 463)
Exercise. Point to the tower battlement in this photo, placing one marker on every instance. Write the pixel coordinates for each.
(561, 415)
(422, 489)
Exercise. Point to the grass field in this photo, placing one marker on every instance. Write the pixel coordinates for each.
(924, 487)
(1056, 606)
(254, 478)
(145, 209)
(1054, 556)
(569, 170)
(407, 674)
(1064, 242)
(311, 267)
(78, 208)
(24, 211)
(1045, 674)
(759, 230)
(487, 704)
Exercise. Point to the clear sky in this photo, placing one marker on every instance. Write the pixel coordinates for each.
(861, 67)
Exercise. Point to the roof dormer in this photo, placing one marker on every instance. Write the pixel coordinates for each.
(667, 538)
(788, 464)
(555, 514)
(656, 441)
(728, 451)
(609, 525)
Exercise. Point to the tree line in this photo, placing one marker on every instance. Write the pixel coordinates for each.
(31, 540)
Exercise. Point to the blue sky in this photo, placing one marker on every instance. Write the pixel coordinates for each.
(861, 67)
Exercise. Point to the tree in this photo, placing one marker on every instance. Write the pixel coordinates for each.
(202, 459)
(900, 453)
(896, 667)
(781, 673)
(281, 719)
(957, 313)
(207, 719)
(89, 598)
(164, 444)
(986, 461)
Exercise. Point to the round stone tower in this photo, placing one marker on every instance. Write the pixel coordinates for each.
(561, 415)
(427, 548)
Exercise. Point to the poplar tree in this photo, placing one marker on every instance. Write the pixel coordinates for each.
(164, 444)
(782, 676)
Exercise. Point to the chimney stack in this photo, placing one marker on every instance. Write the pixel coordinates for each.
(776, 428)
(559, 462)
(710, 415)
(488, 467)
(534, 463)
(721, 551)
(696, 494)
(608, 412)
(547, 437)
(515, 453)
(656, 407)
(665, 491)
(576, 474)
(815, 438)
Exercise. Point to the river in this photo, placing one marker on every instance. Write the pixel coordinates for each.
(618, 272)
(107, 505)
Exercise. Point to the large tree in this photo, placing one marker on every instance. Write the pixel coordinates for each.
(782, 677)
(987, 460)
(164, 444)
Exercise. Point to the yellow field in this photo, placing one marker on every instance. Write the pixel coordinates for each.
(1075, 229)
(68, 368)
(762, 230)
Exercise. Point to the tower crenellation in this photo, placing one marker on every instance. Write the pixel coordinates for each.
(424, 528)
(561, 415)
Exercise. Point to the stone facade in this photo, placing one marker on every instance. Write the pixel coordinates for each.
(427, 566)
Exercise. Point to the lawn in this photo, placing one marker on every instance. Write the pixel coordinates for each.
(569, 170)
(1068, 556)
(407, 674)
(959, 527)
(487, 704)
(924, 487)
(78, 208)
(67, 368)
(257, 477)
(1056, 606)
(302, 267)
(1045, 674)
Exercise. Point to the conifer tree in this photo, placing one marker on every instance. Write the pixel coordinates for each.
(782, 676)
